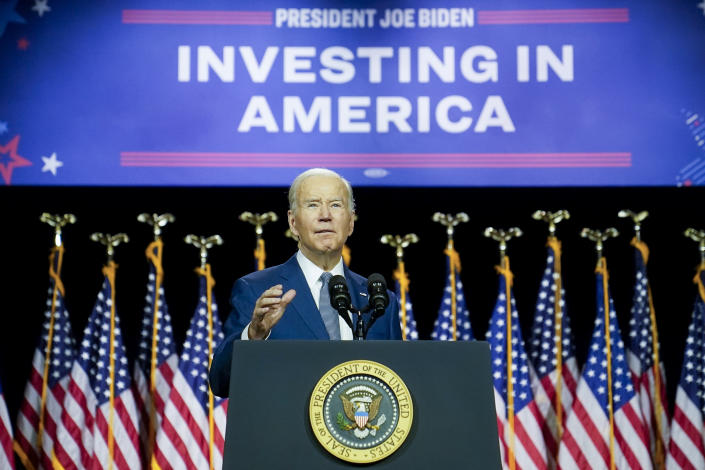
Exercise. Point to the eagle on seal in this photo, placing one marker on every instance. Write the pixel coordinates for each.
(359, 413)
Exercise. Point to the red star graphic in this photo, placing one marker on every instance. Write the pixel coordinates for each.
(15, 160)
(23, 44)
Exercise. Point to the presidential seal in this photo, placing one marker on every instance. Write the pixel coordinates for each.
(361, 411)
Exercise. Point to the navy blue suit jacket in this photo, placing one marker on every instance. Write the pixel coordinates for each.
(301, 320)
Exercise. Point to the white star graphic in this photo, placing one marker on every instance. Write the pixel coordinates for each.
(701, 5)
(51, 164)
(41, 7)
(3, 127)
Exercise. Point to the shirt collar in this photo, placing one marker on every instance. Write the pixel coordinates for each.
(312, 273)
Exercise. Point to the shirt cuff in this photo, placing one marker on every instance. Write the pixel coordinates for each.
(244, 336)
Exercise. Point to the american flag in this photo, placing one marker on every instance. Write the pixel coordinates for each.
(43, 400)
(192, 433)
(642, 352)
(156, 348)
(518, 422)
(7, 458)
(686, 449)
(99, 423)
(406, 312)
(605, 427)
(552, 351)
(453, 322)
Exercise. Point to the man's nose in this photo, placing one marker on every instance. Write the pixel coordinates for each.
(324, 213)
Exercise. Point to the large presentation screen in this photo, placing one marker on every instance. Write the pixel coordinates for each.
(414, 93)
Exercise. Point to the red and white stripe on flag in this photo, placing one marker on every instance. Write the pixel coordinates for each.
(99, 422)
(183, 441)
(7, 458)
(585, 443)
(686, 448)
(545, 398)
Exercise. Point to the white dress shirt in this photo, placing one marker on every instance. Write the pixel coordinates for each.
(312, 273)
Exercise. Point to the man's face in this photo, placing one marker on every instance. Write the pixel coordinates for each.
(322, 220)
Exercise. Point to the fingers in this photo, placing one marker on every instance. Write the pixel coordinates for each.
(269, 308)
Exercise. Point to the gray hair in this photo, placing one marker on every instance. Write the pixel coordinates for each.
(296, 184)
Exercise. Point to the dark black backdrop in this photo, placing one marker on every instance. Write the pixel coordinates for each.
(25, 243)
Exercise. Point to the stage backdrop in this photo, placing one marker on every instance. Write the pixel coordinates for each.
(471, 93)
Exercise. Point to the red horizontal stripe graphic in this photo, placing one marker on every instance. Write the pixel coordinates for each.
(596, 15)
(204, 17)
(391, 160)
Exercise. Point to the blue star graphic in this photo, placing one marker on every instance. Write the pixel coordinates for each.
(3, 127)
(9, 15)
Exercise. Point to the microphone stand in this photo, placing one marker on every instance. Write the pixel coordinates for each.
(361, 327)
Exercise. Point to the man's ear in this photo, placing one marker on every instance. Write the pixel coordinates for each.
(352, 223)
(292, 223)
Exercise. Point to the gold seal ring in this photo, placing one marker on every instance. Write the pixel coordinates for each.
(361, 411)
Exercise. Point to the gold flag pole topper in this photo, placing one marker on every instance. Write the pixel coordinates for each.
(450, 222)
(110, 242)
(58, 222)
(660, 450)
(637, 218)
(553, 219)
(154, 255)
(204, 244)
(600, 238)
(399, 243)
(503, 237)
(156, 221)
(55, 261)
(258, 220)
(698, 236)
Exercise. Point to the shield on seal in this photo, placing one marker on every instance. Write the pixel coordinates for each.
(361, 416)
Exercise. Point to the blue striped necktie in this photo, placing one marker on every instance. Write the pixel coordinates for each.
(328, 313)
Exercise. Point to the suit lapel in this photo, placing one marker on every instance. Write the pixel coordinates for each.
(303, 304)
(358, 290)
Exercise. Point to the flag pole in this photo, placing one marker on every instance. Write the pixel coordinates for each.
(55, 262)
(399, 243)
(157, 222)
(204, 244)
(503, 269)
(599, 238)
(553, 218)
(450, 222)
(258, 220)
(636, 242)
(110, 242)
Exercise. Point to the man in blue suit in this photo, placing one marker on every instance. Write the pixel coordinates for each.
(282, 302)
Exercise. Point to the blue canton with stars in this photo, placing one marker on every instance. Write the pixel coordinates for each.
(443, 327)
(693, 373)
(497, 337)
(640, 337)
(194, 360)
(542, 347)
(410, 332)
(595, 370)
(165, 341)
(63, 348)
(94, 356)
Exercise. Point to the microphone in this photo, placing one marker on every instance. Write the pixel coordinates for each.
(377, 290)
(339, 295)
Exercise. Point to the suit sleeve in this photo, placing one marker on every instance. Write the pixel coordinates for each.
(242, 299)
(392, 314)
